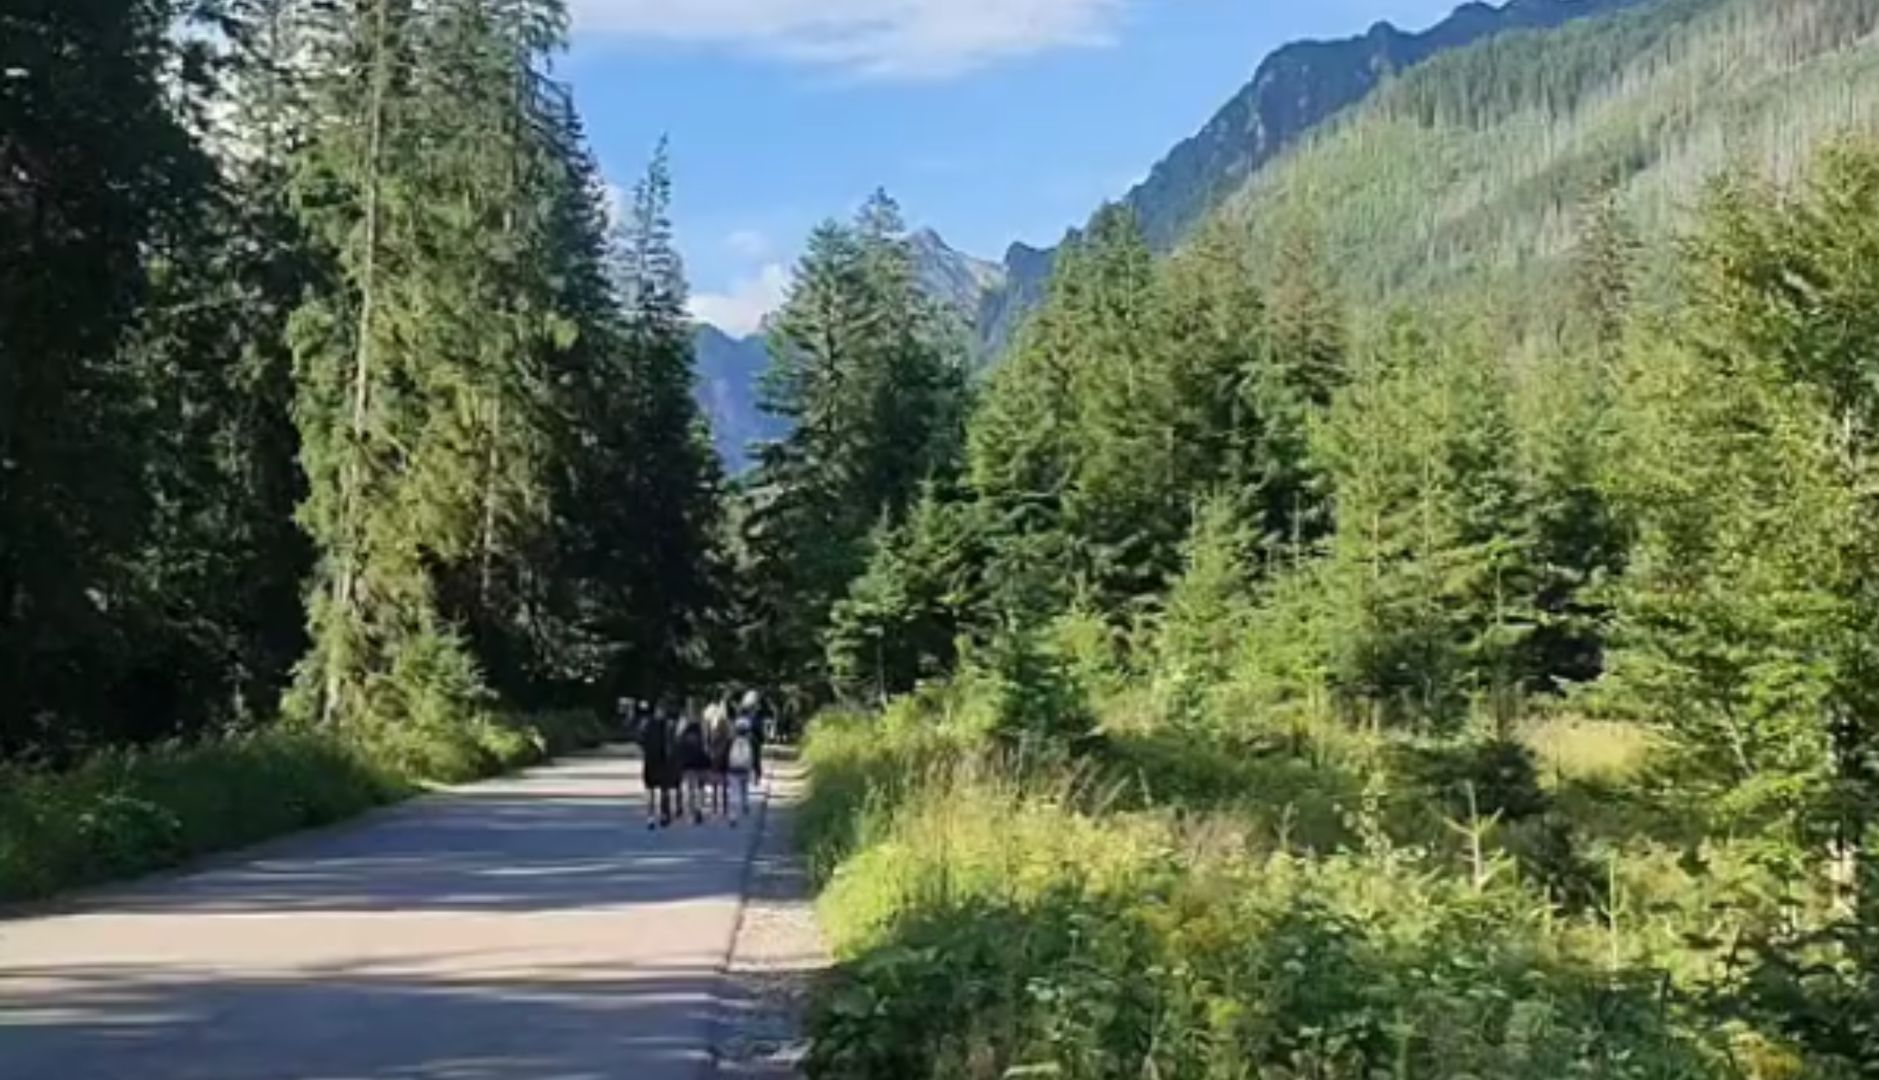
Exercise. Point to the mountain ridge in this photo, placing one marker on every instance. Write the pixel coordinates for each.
(1294, 90)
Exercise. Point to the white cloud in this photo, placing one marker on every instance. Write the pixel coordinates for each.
(741, 311)
(879, 38)
(748, 244)
(614, 202)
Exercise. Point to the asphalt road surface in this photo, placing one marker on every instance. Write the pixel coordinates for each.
(528, 928)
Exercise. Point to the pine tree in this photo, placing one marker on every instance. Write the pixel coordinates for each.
(421, 378)
(669, 485)
(225, 554)
(1744, 463)
(863, 368)
(1433, 588)
(92, 164)
(901, 620)
(1604, 270)
(1072, 451)
(1208, 609)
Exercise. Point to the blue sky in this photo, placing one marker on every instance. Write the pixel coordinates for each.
(990, 120)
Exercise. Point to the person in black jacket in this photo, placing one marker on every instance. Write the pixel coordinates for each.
(660, 772)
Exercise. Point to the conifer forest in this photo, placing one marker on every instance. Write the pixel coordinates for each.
(1422, 622)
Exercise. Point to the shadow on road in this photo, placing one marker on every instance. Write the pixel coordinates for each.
(572, 837)
(528, 928)
(481, 853)
(570, 1023)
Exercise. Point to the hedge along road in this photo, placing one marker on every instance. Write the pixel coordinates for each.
(522, 928)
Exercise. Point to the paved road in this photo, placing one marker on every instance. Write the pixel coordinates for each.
(526, 928)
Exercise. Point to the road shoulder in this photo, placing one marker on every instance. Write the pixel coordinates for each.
(778, 951)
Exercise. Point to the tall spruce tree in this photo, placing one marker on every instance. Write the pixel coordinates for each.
(1430, 562)
(420, 375)
(94, 164)
(865, 370)
(646, 498)
(1744, 462)
(225, 555)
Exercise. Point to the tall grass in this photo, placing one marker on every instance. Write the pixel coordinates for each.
(129, 812)
(1166, 911)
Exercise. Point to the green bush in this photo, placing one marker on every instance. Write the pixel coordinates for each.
(125, 813)
(989, 933)
(864, 768)
(995, 922)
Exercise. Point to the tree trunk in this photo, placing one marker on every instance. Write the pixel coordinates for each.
(345, 583)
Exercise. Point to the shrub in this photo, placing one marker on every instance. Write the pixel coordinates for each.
(992, 933)
(129, 812)
(992, 922)
(125, 813)
(864, 768)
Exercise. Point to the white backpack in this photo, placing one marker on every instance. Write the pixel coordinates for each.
(743, 756)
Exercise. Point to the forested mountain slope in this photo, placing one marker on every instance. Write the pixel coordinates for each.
(1469, 172)
(1295, 90)
(1422, 626)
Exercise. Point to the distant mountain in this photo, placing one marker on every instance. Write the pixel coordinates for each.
(729, 368)
(953, 278)
(729, 372)
(1465, 177)
(1294, 91)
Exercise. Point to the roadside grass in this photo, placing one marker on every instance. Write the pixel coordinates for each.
(124, 813)
(1353, 909)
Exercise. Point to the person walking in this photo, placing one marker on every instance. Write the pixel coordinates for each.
(659, 771)
(743, 762)
(718, 739)
(694, 757)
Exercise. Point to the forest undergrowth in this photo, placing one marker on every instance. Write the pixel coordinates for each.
(125, 812)
(1337, 905)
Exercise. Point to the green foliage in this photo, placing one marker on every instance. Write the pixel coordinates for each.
(129, 812)
(988, 929)
(867, 370)
(1744, 619)
(1040, 706)
(637, 549)
(1316, 829)
(1207, 612)
(101, 176)
(1430, 564)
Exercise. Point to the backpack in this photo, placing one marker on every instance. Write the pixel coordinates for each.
(691, 742)
(743, 756)
(654, 737)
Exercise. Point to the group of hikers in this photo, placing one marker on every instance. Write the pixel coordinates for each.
(700, 762)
